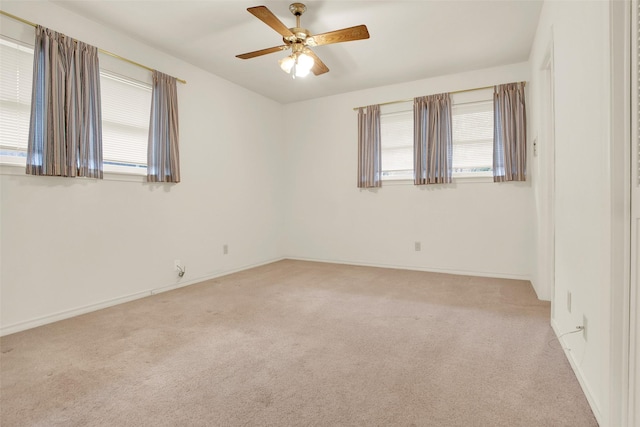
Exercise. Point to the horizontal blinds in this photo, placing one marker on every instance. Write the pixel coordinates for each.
(126, 109)
(473, 137)
(396, 140)
(16, 78)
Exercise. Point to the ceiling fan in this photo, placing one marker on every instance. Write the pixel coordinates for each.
(300, 40)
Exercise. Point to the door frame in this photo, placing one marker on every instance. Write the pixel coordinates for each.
(625, 222)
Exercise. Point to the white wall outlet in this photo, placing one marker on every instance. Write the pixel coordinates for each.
(225, 249)
(584, 327)
(417, 246)
(569, 301)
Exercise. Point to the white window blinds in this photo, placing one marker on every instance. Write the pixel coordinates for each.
(126, 106)
(16, 76)
(396, 133)
(473, 139)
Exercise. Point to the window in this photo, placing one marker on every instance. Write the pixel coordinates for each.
(16, 75)
(472, 137)
(396, 140)
(126, 109)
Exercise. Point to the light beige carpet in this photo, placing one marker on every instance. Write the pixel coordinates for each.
(300, 343)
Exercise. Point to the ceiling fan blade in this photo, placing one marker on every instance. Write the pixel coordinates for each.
(250, 55)
(266, 16)
(318, 66)
(359, 32)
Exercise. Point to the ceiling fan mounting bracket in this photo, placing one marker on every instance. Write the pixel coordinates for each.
(297, 9)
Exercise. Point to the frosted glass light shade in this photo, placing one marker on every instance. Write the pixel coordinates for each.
(301, 72)
(287, 64)
(298, 64)
(305, 61)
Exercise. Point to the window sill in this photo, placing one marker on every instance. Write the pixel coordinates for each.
(18, 170)
(456, 180)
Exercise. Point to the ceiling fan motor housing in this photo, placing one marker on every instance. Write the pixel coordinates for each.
(300, 35)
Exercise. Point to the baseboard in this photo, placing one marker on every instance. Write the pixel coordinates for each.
(578, 373)
(417, 268)
(212, 276)
(66, 314)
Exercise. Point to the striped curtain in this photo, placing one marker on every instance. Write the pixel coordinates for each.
(65, 131)
(509, 133)
(163, 160)
(432, 139)
(369, 156)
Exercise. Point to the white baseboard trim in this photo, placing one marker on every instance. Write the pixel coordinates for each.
(212, 276)
(416, 268)
(578, 373)
(66, 314)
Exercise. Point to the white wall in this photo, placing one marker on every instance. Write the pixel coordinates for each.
(583, 186)
(469, 228)
(69, 245)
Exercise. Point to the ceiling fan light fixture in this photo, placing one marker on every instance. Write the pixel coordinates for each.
(287, 63)
(305, 61)
(297, 64)
(300, 72)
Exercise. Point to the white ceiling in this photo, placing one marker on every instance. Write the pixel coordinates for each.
(410, 40)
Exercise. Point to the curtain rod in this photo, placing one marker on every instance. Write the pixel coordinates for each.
(409, 100)
(106, 52)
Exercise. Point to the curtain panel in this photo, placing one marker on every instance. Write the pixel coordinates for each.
(65, 131)
(432, 139)
(163, 160)
(369, 154)
(510, 133)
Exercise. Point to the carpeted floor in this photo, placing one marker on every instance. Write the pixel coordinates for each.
(300, 343)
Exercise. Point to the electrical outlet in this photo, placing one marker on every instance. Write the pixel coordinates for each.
(569, 301)
(225, 249)
(584, 327)
(181, 269)
(417, 246)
